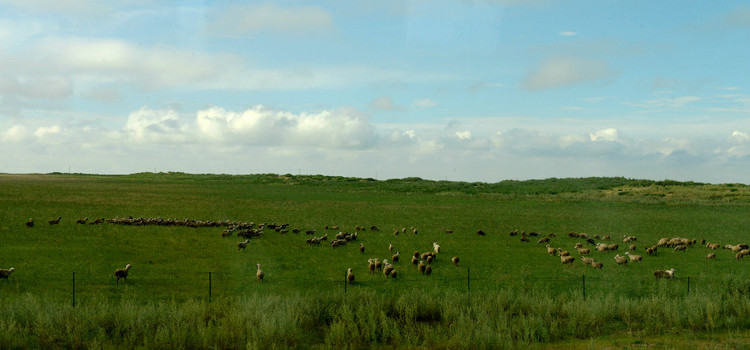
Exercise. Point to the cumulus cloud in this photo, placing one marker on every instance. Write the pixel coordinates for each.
(15, 133)
(424, 102)
(565, 71)
(609, 134)
(242, 20)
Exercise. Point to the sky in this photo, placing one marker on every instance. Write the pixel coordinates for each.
(465, 90)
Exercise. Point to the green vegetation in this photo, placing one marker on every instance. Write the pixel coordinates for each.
(505, 293)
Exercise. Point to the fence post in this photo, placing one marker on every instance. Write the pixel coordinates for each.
(583, 282)
(74, 289)
(209, 286)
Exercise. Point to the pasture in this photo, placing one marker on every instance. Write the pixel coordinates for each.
(504, 292)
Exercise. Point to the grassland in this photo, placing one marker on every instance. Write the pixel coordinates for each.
(505, 293)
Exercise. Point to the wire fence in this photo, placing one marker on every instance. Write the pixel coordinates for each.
(209, 285)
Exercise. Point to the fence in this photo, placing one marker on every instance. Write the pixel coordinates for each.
(210, 285)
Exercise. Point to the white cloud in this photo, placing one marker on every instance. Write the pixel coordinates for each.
(740, 137)
(385, 103)
(565, 71)
(241, 20)
(148, 125)
(45, 132)
(609, 134)
(463, 135)
(568, 33)
(16, 133)
(424, 102)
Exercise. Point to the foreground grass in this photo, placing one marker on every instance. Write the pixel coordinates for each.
(412, 319)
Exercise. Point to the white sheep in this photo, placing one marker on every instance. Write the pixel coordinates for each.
(260, 273)
(454, 260)
(621, 260)
(395, 257)
(122, 273)
(390, 247)
(436, 247)
(664, 273)
(634, 257)
(567, 259)
(711, 256)
(550, 250)
(242, 245)
(349, 276)
(371, 265)
(387, 268)
(4, 274)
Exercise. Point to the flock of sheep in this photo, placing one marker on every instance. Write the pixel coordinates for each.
(422, 262)
(603, 244)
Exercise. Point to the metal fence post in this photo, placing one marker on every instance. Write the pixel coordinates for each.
(583, 282)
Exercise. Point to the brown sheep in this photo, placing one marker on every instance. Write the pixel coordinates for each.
(567, 259)
(680, 247)
(414, 260)
(621, 260)
(632, 247)
(30, 223)
(122, 273)
(361, 248)
(259, 274)
(454, 260)
(421, 267)
(543, 240)
(597, 265)
(349, 276)
(242, 245)
(55, 222)
(395, 257)
(711, 256)
(427, 270)
(667, 274)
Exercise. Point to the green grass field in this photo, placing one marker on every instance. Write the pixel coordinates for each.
(504, 293)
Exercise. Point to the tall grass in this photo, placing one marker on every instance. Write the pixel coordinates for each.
(412, 318)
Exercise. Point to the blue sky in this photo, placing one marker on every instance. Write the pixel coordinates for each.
(475, 90)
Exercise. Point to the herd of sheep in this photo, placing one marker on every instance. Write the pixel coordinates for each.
(422, 262)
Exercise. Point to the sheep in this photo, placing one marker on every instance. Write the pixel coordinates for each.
(649, 251)
(378, 264)
(416, 254)
(606, 237)
(481, 233)
(387, 269)
(390, 247)
(395, 257)
(436, 247)
(427, 254)
(4, 274)
(349, 276)
(427, 270)
(454, 260)
(739, 256)
(583, 251)
(421, 267)
(374, 228)
(361, 248)
(30, 223)
(563, 252)
(82, 221)
(597, 265)
(122, 273)
(634, 257)
(371, 265)
(613, 246)
(513, 233)
(578, 245)
(543, 240)
(395, 232)
(414, 231)
(430, 258)
(259, 274)
(711, 256)
(621, 260)
(602, 248)
(447, 230)
(414, 260)
(680, 247)
(713, 246)
(533, 234)
(587, 261)
(524, 239)
(242, 245)
(666, 274)
(394, 274)
(632, 247)
(55, 222)
(567, 259)
(550, 250)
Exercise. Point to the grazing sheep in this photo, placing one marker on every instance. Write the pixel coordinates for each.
(563, 252)
(387, 269)
(416, 254)
(378, 264)
(414, 260)
(714, 246)
(632, 247)
(680, 247)
(597, 265)
(260, 273)
(454, 260)
(30, 223)
(447, 230)
(550, 250)
(602, 248)
(427, 254)
(711, 256)
(613, 246)
(82, 221)
(524, 239)
(395, 231)
(481, 233)
(371, 265)
(374, 228)
(242, 245)
(394, 274)
(578, 245)
(567, 259)
(361, 248)
(436, 247)
(511, 233)
(667, 274)
(421, 267)
(739, 256)
(621, 260)
(583, 251)
(395, 257)
(634, 257)
(414, 231)
(55, 222)
(4, 274)
(122, 273)
(390, 247)
(427, 270)
(587, 261)
(606, 237)
(591, 241)
(349, 276)
(543, 240)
